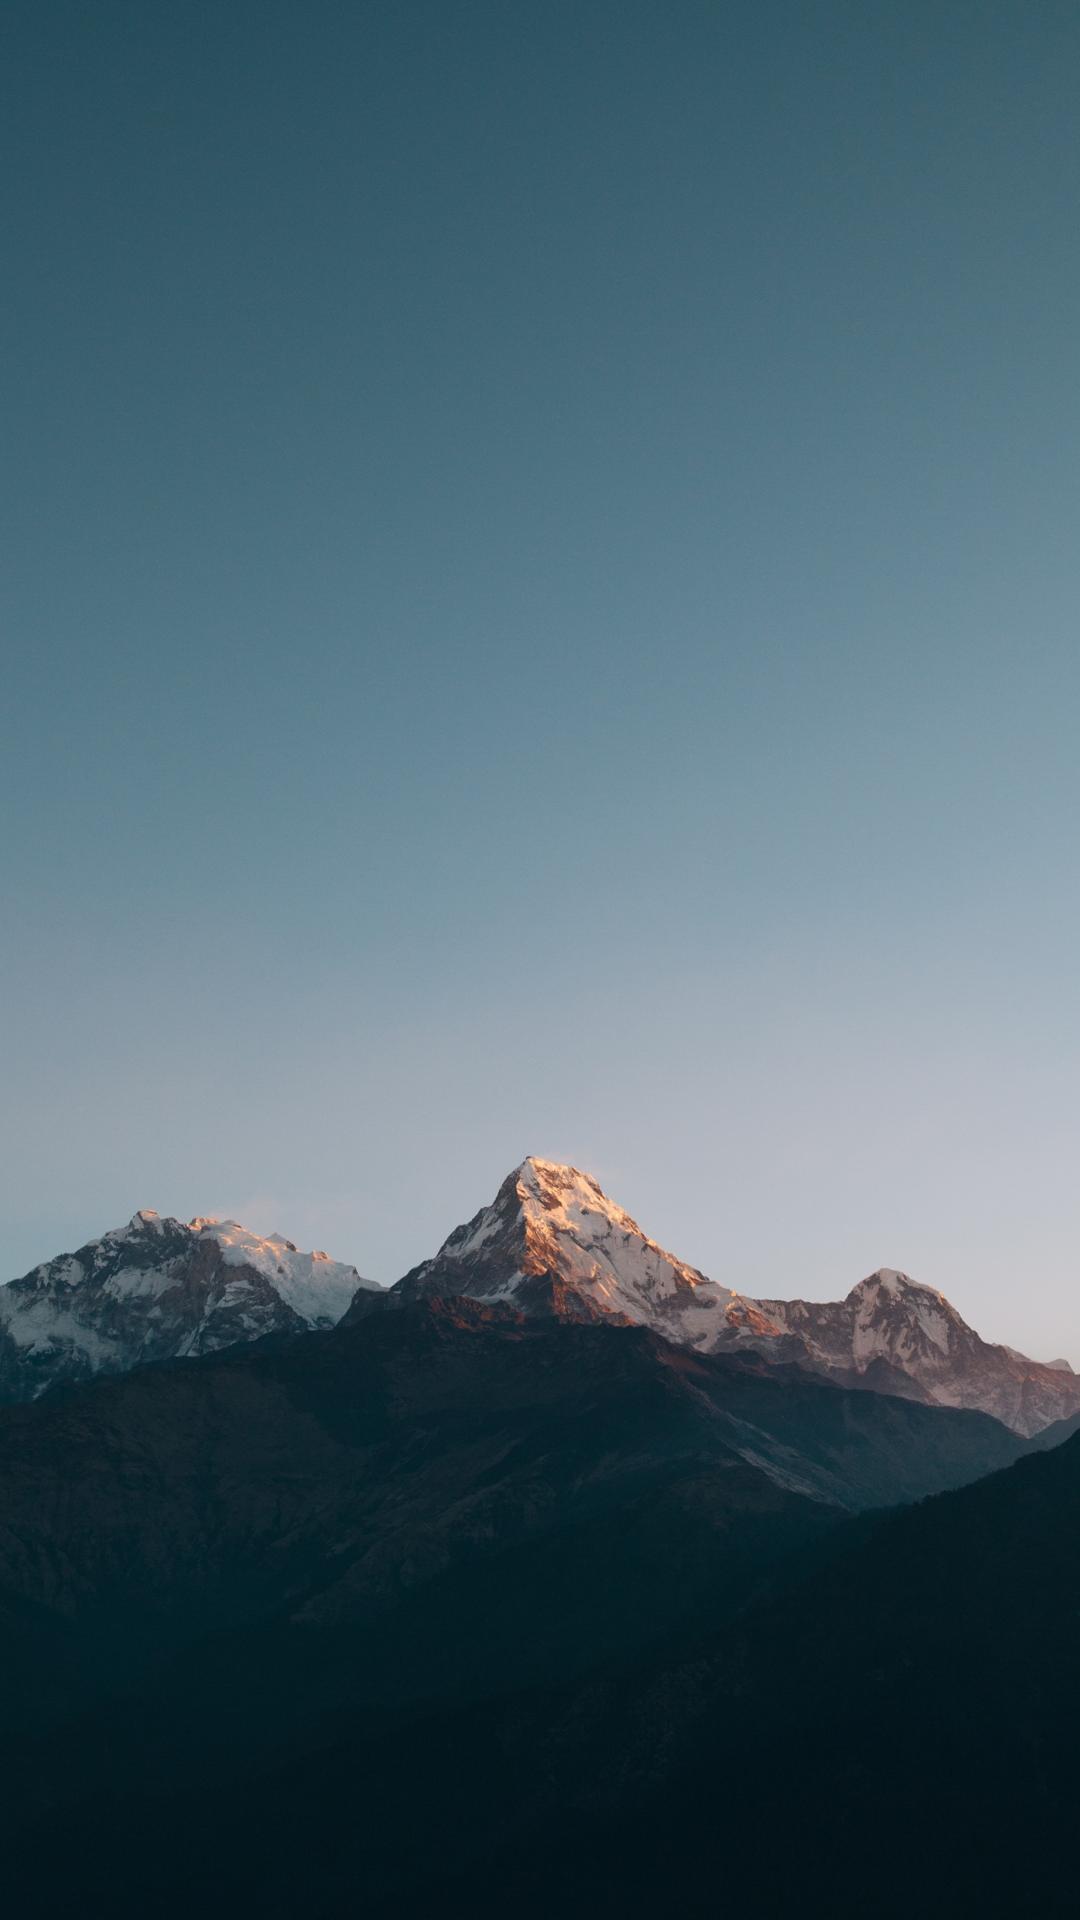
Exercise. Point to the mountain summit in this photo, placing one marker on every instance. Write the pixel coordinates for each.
(898, 1336)
(158, 1289)
(553, 1242)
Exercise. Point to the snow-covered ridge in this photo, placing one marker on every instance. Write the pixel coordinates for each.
(553, 1227)
(317, 1288)
(160, 1288)
(553, 1241)
(570, 1221)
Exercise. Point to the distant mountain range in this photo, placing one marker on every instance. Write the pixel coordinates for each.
(555, 1579)
(550, 1244)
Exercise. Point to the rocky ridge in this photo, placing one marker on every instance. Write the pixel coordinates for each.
(553, 1242)
(161, 1289)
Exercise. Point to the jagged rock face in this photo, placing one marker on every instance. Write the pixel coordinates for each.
(552, 1242)
(891, 1328)
(158, 1289)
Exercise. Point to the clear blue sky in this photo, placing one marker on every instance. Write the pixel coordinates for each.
(541, 615)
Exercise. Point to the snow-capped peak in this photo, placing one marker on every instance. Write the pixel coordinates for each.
(890, 1280)
(145, 1221)
(552, 1236)
(565, 1200)
(552, 1241)
(159, 1289)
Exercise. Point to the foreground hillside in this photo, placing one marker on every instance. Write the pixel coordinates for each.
(392, 1586)
(894, 1731)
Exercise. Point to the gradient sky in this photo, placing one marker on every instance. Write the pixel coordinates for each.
(540, 614)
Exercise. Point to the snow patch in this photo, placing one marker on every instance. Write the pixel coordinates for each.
(314, 1286)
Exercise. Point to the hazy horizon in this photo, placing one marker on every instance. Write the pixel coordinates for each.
(542, 617)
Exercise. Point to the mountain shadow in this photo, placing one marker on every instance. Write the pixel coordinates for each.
(366, 1616)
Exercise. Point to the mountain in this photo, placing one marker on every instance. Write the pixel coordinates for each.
(333, 1475)
(906, 1707)
(330, 1481)
(896, 1335)
(552, 1242)
(418, 1561)
(159, 1289)
(890, 1728)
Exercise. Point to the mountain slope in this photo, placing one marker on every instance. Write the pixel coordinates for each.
(912, 1704)
(327, 1476)
(444, 1577)
(553, 1243)
(157, 1289)
(895, 1334)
